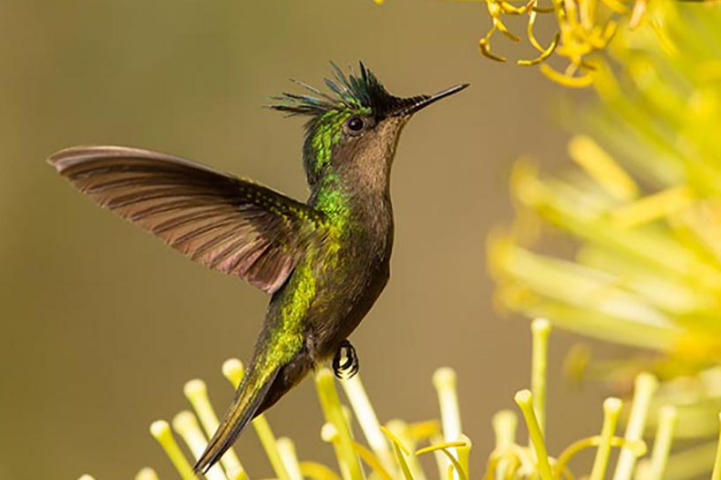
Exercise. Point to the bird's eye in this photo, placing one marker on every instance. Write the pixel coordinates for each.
(355, 124)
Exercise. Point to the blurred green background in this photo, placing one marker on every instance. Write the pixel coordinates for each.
(102, 325)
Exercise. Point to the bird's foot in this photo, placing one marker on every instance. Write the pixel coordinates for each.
(345, 362)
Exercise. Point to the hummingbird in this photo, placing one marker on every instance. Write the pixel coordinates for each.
(324, 262)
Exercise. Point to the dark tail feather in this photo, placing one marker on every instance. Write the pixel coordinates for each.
(248, 398)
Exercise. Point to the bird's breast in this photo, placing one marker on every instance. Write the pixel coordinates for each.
(350, 277)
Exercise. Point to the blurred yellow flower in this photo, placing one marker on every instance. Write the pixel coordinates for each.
(643, 205)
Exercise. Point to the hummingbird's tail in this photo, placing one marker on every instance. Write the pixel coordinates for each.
(250, 395)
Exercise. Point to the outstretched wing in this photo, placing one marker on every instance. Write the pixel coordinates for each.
(226, 223)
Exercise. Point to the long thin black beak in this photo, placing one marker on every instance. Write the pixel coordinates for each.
(423, 101)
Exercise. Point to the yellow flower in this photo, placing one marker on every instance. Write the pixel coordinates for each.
(643, 205)
(584, 28)
(392, 451)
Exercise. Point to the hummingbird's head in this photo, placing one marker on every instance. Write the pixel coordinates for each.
(356, 125)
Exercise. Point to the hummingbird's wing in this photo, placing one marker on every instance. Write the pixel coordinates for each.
(226, 223)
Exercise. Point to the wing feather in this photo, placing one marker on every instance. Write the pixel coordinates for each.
(224, 222)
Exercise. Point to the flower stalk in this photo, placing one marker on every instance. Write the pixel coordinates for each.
(367, 419)
(540, 329)
(645, 386)
(524, 399)
(348, 460)
(654, 468)
(611, 413)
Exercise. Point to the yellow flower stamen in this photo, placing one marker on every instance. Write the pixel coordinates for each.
(233, 371)
(160, 430)
(611, 413)
(545, 54)
(444, 448)
(584, 27)
(444, 381)
(407, 439)
(692, 462)
(197, 394)
(524, 399)
(667, 45)
(401, 452)
(662, 444)
(603, 168)
(440, 446)
(372, 461)
(367, 419)
(186, 426)
(146, 474)
(645, 387)
(540, 329)
(317, 471)
(286, 450)
(504, 425)
(653, 207)
(637, 447)
(508, 461)
(484, 47)
(347, 458)
(565, 79)
(464, 454)
(637, 14)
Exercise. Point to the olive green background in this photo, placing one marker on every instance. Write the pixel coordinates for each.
(102, 324)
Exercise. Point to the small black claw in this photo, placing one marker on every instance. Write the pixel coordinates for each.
(345, 362)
